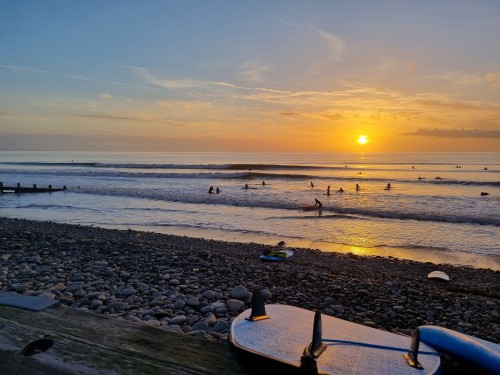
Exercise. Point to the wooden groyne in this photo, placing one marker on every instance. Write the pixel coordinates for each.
(25, 189)
(84, 343)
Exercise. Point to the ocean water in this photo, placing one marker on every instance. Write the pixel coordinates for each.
(434, 210)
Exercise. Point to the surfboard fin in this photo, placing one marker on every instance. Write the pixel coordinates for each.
(412, 356)
(258, 307)
(314, 349)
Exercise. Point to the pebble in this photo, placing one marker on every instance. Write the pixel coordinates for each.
(196, 287)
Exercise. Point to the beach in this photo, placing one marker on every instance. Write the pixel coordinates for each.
(196, 286)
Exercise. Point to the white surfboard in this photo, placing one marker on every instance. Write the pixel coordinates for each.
(282, 340)
(438, 275)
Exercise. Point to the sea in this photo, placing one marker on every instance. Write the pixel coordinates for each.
(441, 207)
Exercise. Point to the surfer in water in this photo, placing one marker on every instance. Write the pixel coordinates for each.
(217, 191)
(263, 183)
(246, 186)
(328, 190)
(312, 185)
(211, 190)
(357, 187)
(318, 203)
(388, 186)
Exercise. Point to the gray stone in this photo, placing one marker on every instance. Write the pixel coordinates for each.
(234, 304)
(178, 319)
(221, 325)
(240, 292)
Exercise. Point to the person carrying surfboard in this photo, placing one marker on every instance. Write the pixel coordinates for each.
(318, 203)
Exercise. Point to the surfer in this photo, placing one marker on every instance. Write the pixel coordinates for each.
(217, 191)
(388, 186)
(318, 203)
(263, 183)
(328, 190)
(340, 190)
(211, 190)
(357, 187)
(312, 185)
(246, 186)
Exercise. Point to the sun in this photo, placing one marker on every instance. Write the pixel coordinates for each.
(362, 139)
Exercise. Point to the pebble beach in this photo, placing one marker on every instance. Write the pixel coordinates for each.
(196, 287)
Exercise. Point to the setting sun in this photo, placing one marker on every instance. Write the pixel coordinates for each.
(362, 139)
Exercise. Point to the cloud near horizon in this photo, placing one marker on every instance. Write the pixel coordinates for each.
(454, 133)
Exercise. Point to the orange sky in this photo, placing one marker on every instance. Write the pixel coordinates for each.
(194, 76)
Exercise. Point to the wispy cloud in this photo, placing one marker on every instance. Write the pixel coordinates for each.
(335, 44)
(107, 117)
(454, 133)
(105, 96)
(76, 77)
(14, 114)
(178, 84)
(253, 72)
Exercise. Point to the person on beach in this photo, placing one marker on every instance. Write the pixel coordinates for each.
(328, 190)
(211, 190)
(318, 203)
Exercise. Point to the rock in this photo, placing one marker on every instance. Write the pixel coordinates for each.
(221, 325)
(240, 292)
(179, 304)
(178, 320)
(200, 326)
(126, 292)
(234, 304)
(208, 294)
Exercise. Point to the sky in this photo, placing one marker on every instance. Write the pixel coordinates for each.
(232, 75)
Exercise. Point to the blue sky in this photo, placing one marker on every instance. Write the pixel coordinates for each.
(250, 76)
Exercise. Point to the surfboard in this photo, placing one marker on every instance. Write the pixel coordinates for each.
(482, 354)
(277, 256)
(438, 275)
(284, 339)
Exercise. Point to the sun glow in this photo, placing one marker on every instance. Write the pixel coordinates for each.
(362, 139)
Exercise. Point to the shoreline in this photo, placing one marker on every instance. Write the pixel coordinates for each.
(196, 286)
(417, 254)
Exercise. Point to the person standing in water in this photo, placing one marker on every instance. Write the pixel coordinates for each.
(211, 190)
(328, 190)
(318, 203)
(357, 187)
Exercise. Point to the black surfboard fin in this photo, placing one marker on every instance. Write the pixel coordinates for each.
(314, 349)
(412, 356)
(258, 307)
